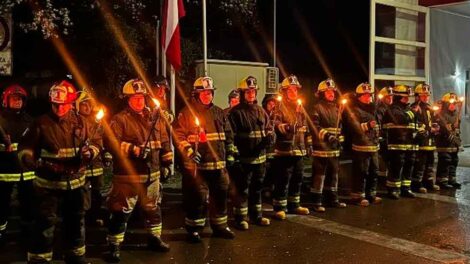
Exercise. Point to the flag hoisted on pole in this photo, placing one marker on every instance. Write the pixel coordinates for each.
(173, 10)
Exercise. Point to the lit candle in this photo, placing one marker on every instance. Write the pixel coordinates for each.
(299, 102)
(197, 122)
(279, 98)
(380, 96)
(99, 115)
(452, 101)
(461, 99)
(344, 101)
(156, 102)
(435, 108)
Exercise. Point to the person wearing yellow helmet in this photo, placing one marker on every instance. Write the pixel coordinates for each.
(384, 101)
(365, 146)
(326, 137)
(143, 148)
(400, 124)
(54, 147)
(205, 140)
(85, 106)
(422, 179)
(448, 141)
(290, 148)
(249, 122)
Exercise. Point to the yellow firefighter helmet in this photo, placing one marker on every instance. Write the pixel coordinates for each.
(327, 84)
(364, 88)
(134, 86)
(83, 96)
(386, 91)
(249, 82)
(422, 88)
(450, 98)
(203, 83)
(290, 80)
(402, 90)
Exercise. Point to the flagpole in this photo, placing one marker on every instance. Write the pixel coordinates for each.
(157, 48)
(204, 35)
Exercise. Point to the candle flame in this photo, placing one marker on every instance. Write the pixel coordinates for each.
(452, 101)
(344, 101)
(461, 99)
(299, 102)
(197, 121)
(381, 96)
(435, 108)
(156, 102)
(100, 115)
(279, 98)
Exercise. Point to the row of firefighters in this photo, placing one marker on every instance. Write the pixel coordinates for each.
(57, 160)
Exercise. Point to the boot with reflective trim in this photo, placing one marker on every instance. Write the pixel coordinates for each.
(262, 221)
(393, 194)
(157, 244)
(114, 254)
(417, 187)
(242, 225)
(280, 215)
(193, 238)
(456, 185)
(224, 233)
(319, 208)
(407, 193)
(374, 200)
(445, 185)
(337, 204)
(300, 211)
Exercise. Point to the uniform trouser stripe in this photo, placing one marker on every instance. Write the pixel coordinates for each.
(155, 230)
(79, 251)
(39, 257)
(115, 239)
(218, 221)
(3, 226)
(195, 222)
(287, 181)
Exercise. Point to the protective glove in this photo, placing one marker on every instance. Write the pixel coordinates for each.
(144, 153)
(196, 157)
(165, 173)
(372, 124)
(333, 141)
(230, 160)
(86, 153)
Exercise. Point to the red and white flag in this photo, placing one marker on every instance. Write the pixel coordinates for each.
(173, 10)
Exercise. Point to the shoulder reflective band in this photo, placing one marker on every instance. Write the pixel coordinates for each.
(14, 177)
(62, 153)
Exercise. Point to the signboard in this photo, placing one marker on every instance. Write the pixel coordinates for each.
(6, 65)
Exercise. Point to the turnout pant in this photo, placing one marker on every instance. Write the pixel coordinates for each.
(25, 197)
(400, 170)
(94, 197)
(325, 178)
(447, 163)
(287, 182)
(122, 200)
(49, 203)
(248, 185)
(364, 181)
(423, 173)
(208, 188)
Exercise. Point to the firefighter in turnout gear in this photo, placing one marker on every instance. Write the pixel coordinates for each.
(400, 123)
(160, 88)
(448, 141)
(270, 105)
(85, 106)
(14, 122)
(326, 134)
(55, 146)
(422, 179)
(385, 100)
(365, 145)
(249, 122)
(141, 146)
(290, 149)
(233, 100)
(204, 138)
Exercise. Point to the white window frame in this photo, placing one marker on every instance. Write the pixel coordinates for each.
(378, 39)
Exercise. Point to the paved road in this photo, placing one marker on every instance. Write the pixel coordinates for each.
(433, 228)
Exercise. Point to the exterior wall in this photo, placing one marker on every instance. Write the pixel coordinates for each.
(228, 74)
(450, 59)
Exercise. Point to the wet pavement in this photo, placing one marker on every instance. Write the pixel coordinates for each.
(433, 228)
